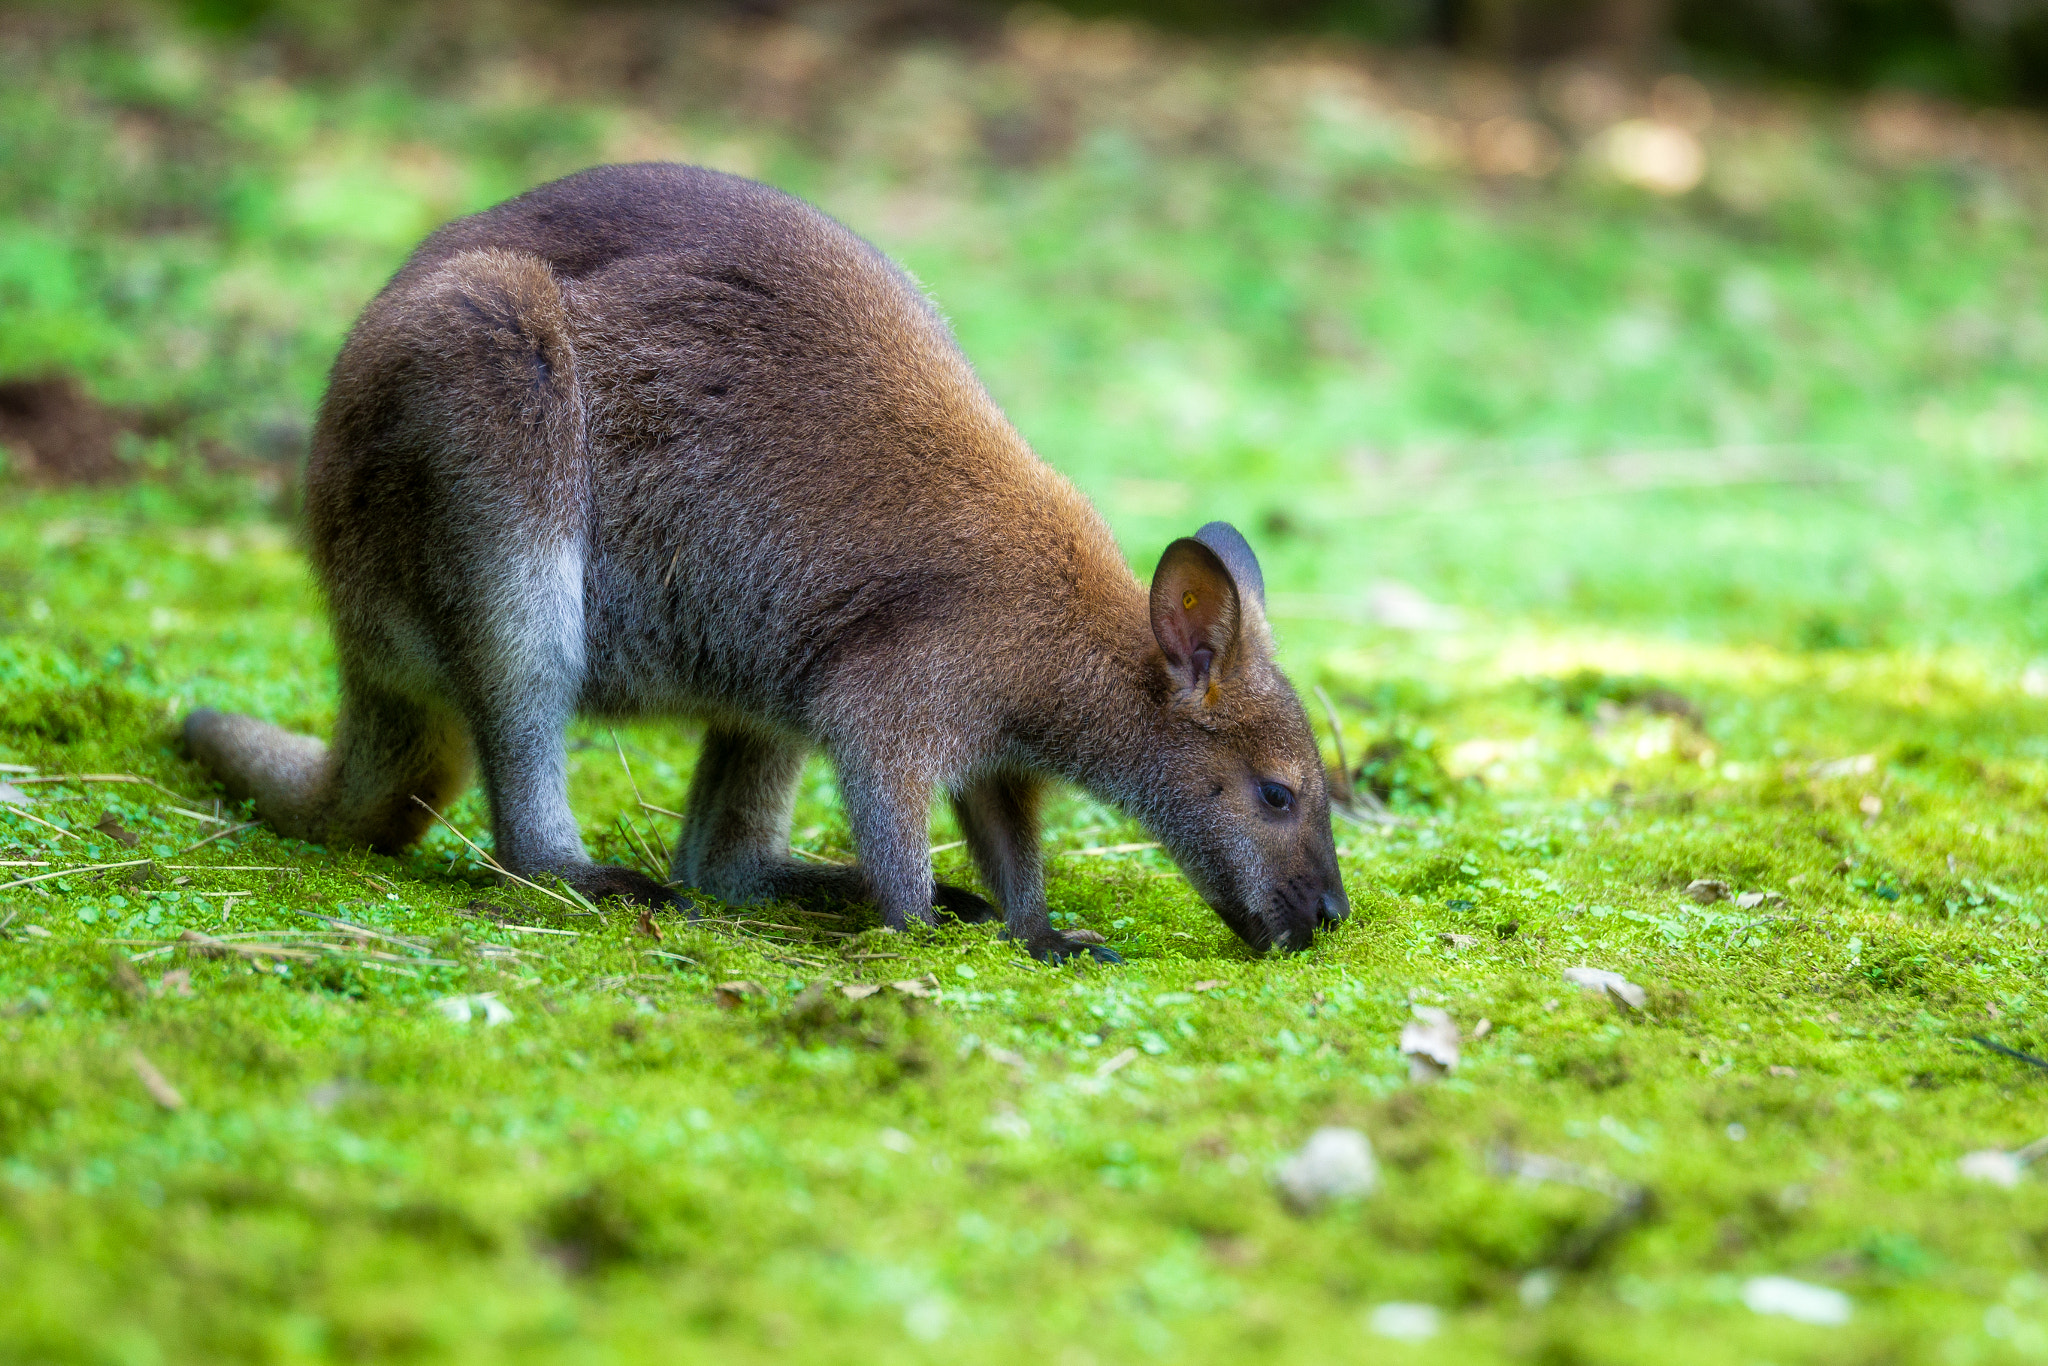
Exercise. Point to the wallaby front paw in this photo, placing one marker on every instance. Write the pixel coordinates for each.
(969, 908)
(1054, 947)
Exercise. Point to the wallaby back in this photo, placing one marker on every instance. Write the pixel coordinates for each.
(656, 440)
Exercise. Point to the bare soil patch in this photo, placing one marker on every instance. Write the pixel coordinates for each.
(57, 433)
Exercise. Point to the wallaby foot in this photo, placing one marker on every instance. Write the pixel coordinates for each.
(832, 888)
(598, 882)
(1050, 946)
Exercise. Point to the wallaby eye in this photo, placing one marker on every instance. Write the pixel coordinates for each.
(1276, 796)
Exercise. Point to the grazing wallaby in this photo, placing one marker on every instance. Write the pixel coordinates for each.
(658, 440)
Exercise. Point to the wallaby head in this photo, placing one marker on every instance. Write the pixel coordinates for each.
(1235, 785)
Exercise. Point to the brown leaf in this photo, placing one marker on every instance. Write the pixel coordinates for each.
(646, 927)
(177, 982)
(117, 832)
(205, 945)
(160, 1091)
(125, 978)
(730, 994)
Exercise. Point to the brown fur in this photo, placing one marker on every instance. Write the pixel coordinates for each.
(656, 440)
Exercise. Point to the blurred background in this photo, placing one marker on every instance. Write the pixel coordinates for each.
(1688, 321)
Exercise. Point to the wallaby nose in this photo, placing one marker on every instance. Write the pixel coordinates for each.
(1333, 907)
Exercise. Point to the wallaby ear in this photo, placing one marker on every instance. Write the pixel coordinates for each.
(1236, 553)
(1195, 610)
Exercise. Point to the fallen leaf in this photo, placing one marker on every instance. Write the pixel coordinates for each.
(1458, 941)
(1781, 1295)
(160, 1090)
(858, 991)
(117, 832)
(36, 932)
(1335, 1164)
(1749, 901)
(645, 926)
(1209, 985)
(125, 978)
(1116, 1064)
(917, 986)
(1482, 1029)
(1609, 983)
(1430, 1041)
(730, 994)
(176, 982)
(1706, 890)
(205, 945)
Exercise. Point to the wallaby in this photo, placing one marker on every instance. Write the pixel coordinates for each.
(656, 440)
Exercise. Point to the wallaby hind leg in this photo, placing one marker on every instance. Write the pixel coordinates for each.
(735, 837)
(387, 751)
(525, 766)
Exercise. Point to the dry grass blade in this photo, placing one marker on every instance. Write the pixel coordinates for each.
(47, 825)
(197, 816)
(217, 835)
(1346, 797)
(574, 898)
(352, 928)
(653, 838)
(67, 872)
(102, 778)
(160, 1090)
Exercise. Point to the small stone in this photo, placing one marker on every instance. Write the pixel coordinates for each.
(1807, 1303)
(1707, 890)
(1430, 1041)
(1609, 983)
(1405, 1322)
(1991, 1165)
(1335, 1164)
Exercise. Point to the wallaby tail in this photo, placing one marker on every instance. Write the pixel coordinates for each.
(287, 775)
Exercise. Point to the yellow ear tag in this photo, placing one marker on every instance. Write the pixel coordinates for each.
(1187, 600)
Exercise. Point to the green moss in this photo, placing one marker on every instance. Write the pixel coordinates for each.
(1819, 689)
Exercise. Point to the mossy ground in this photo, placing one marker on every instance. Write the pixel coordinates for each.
(1812, 672)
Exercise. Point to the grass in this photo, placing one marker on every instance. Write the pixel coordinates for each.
(1711, 525)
